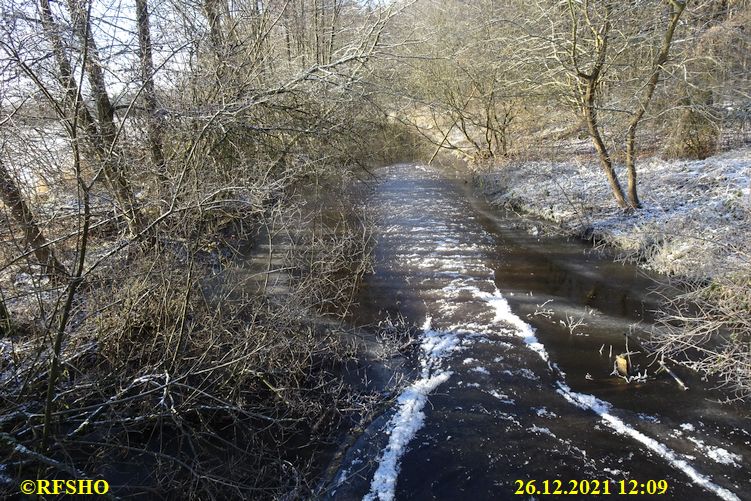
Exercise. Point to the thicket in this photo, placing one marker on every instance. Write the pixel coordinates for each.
(707, 328)
(180, 238)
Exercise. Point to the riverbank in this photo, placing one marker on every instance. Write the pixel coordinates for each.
(694, 227)
(695, 220)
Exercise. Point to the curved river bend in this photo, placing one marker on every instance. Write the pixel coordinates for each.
(507, 386)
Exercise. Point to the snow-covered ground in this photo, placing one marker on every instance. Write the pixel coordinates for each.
(695, 221)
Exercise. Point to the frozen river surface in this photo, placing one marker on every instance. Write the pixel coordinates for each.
(513, 378)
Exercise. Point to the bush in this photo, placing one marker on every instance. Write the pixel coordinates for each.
(708, 328)
(696, 135)
(181, 374)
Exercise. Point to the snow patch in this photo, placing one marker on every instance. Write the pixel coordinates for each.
(718, 454)
(538, 430)
(543, 412)
(722, 456)
(684, 202)
(502, 397)
(648, 417)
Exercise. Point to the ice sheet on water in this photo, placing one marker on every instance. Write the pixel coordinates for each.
(499, 319)
(602, 408)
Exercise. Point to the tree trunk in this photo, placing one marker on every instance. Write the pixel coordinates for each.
(677, 9)
(213, 16)
(112, 169)
(302, 33)
(65, 76)
(316, 32)
(155, 124)
(606, 163)
(32, 235)
(102, 133)
(332, 34)
(589, 107)
(5, 323)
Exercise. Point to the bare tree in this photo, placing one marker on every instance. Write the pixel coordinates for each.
(155, 121)
(589, 61)
(101, 133)
(588, 81)
(676, 9)
(113, 165)
(459, 88)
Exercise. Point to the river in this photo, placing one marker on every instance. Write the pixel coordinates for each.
(513, 377)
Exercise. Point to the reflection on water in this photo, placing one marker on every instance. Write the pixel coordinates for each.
(514, 379)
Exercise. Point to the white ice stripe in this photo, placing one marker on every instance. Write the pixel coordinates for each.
(404, 425)
(503, 314)
(410, 417)
(602, 409)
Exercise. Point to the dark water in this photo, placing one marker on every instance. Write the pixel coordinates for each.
(507, 387)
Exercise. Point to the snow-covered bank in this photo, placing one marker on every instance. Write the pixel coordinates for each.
(695, 221)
